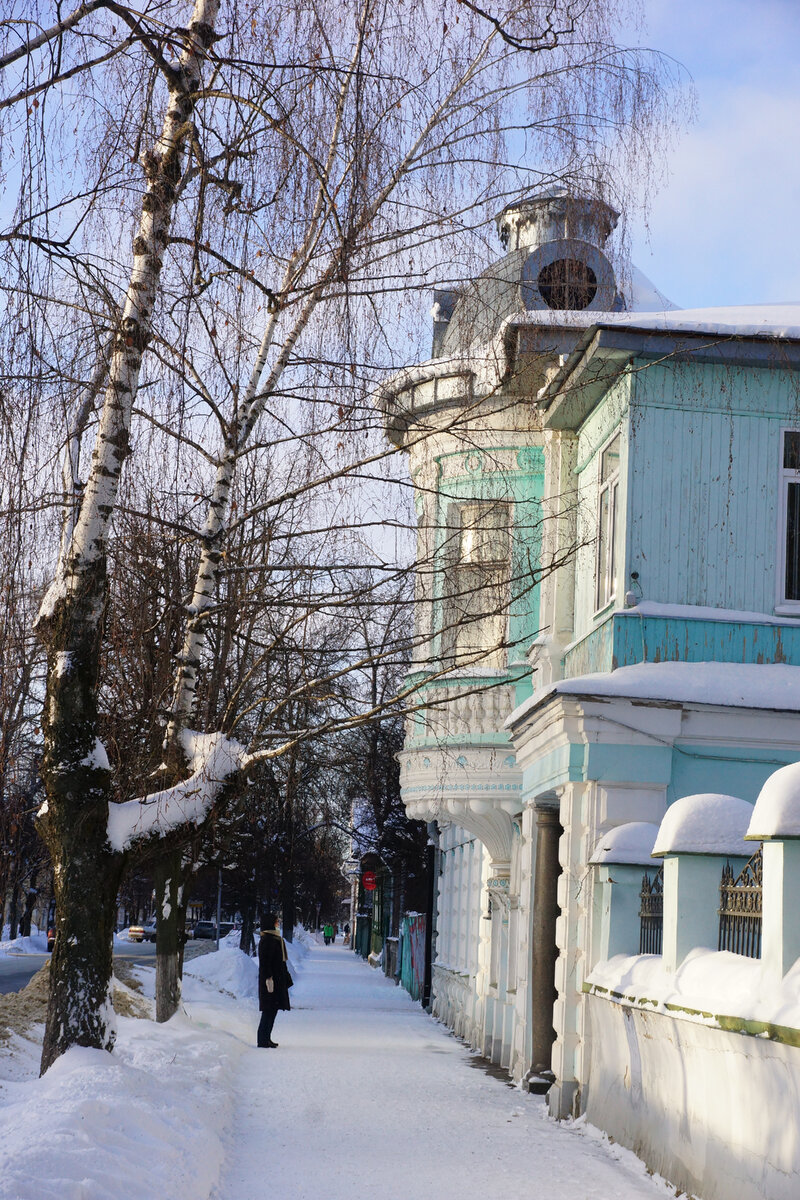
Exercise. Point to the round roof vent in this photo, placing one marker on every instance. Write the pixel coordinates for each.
(569, 275)
(567, 283)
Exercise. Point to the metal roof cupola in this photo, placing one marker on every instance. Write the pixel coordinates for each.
(554, 261)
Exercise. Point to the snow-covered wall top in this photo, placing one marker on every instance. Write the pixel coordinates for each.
(630, 843)
(740, 685)
(710, 986)
(776, 813)
(708, 823)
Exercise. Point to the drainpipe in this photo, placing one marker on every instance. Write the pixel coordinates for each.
(430, 916)
(544, 949)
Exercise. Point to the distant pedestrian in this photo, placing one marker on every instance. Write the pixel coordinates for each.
(274, 979)
(327, 933)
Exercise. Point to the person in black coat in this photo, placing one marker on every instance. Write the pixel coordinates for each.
(274, 979)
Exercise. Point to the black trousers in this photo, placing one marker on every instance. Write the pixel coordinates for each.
(268, 1015)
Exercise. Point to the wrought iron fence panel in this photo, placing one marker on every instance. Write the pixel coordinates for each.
(740, 908)
(651, 913)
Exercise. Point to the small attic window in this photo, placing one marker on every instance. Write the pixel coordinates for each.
(567, 283)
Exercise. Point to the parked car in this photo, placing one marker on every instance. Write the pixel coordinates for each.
(208, 929)
(136, 933)
(149, 928)
(205, 929)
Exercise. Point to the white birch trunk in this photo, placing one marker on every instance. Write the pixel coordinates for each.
(74, 820)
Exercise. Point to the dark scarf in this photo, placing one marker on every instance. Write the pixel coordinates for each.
(274, 933)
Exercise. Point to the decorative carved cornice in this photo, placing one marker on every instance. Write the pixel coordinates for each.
(479, 790)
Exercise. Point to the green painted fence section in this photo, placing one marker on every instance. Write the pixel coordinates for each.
(412, 954)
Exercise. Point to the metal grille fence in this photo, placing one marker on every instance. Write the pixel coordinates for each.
(740, 909)
(651, 913)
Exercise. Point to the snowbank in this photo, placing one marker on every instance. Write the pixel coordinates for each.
(231, 971)
(133, 1125)
(228, 969)
(35, 944)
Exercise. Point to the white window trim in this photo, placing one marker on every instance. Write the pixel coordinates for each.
(784, 607)
(612, 486)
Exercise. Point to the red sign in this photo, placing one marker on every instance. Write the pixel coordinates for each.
(369, 881)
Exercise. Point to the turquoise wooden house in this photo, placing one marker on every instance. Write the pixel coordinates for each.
(673, 634)
(607, 605)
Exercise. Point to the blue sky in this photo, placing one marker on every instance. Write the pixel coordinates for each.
(725, 228)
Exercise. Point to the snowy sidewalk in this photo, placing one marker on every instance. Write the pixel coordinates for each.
(368, 1097)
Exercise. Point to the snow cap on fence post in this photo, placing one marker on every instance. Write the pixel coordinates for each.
(776, 823)
(621, 855)
(697, 836)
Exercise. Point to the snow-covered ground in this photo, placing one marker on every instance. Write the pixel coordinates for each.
(37, 942)
(366, 1096)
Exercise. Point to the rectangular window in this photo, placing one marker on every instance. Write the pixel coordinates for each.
(606, 565)
(475, 609)
(790, 514)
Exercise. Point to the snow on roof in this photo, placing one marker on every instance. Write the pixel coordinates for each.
(743, 320)
(707, 823)
(488, 361)
(645, 296)
(630, 843)
(703, 612)
(737, 685)
(777, 810)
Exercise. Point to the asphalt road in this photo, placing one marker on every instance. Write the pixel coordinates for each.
(16, 970)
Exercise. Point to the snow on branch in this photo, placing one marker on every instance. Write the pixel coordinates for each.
(213, 759)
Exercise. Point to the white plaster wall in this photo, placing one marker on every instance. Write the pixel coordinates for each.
(456, 998)
(717, 1113)
(522, 887)
(480, 977)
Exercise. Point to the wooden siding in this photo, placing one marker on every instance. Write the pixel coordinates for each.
(703, 469)
(626, 638)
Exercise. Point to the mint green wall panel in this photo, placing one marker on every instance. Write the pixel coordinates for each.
(734, 770)
(629, 764)
(703, 476)
(553, 769)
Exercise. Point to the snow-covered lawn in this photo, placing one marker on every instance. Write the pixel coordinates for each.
(366, 1096)
(37, 942)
